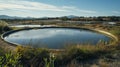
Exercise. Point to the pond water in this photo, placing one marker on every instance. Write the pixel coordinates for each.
(55, 38)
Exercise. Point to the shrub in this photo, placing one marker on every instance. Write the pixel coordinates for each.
(33, 57)
(82, 53)
(10, 60)
(4, 26)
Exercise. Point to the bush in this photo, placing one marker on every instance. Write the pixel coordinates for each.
(3, 26)
(24, 57)
(82, 53)
(33, 57)
(10, 60)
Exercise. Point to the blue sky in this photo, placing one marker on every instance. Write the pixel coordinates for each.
(56, 8)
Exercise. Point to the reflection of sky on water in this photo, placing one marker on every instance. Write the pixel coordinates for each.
(31, 26)
(43, 33)
(55, 37)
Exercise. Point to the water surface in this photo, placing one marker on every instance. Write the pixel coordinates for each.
(55, 38)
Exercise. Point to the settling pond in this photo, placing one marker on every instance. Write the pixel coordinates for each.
(55, 38)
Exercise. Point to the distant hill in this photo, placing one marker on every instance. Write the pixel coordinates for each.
(9, 17)
(72, 16)
(13, 17)
(69, 17)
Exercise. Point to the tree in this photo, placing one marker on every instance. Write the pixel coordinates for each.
(3, 25)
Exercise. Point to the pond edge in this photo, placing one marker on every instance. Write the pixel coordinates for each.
(96, 30)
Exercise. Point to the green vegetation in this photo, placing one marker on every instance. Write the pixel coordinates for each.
(33, 57)
(10, 60)
(115, 31)
(24, 57)
(41, 57)
(83, 53)
(3, 26)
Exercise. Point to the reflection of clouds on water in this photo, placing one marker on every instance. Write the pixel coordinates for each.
(55, 37)
(43, 33)
(32, 25)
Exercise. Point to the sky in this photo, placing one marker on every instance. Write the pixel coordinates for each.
(57, 8)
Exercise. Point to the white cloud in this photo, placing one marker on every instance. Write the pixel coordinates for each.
(27, 5)
(72, 8)
(38, 9)
(87, 11)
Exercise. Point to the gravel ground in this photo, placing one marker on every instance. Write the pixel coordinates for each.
(6, 45)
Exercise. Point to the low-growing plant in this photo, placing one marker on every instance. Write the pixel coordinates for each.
(33, 57)
(50, 62)
(83, 53)
(10, 60)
